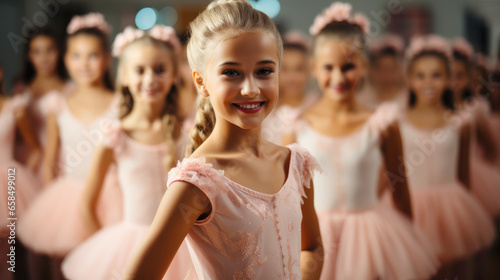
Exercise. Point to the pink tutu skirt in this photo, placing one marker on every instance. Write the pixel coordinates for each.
(374, 243)
(106, 254)
(53, 225)
(26, 186)
(485, 185)
(454, 221)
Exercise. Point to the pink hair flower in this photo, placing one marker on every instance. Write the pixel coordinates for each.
(166, 34)
(128, 35)
(461, 45)
(338, 12)
(92, 20)
(434, 43)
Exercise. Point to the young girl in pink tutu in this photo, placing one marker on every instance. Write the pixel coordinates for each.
(294, 79)
(245, 204)
(143, 145)
(475, 109)
(43, 73)
(363, 238)
(52, 225)
(436, 149)
(17, 182)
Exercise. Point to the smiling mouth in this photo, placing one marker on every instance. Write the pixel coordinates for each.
(249, 107)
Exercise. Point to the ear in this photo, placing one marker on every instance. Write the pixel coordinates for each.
(200, 84)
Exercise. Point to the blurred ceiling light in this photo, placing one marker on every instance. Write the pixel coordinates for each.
(168, 16)
(269, 7)
(146, 18)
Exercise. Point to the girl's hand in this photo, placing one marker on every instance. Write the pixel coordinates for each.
(171, 224)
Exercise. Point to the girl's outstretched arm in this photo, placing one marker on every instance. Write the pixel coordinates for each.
(103, 157)
(24, 126)
(181, 206)
(463, 155)
(392, 151)
(312, 255)
(51, 150)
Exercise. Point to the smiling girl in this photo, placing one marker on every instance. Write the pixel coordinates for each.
(52, 226)
(244, 204)
(143, 146)
(363, 238)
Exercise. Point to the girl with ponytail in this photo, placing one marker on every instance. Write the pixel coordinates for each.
(244, 204)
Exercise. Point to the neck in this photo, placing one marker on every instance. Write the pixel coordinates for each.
(46, 76)
(428, 107)
(228, 137)
(97, 88)
(339, 106)
(148, 111)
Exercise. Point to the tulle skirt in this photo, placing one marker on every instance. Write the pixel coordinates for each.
(108, 252)
(375, 243)
(485, 184)
(454, 221)
(53, 224)
(24, 189)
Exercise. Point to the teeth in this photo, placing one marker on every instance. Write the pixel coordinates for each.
(249, 107)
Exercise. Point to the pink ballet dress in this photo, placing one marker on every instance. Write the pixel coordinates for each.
(484, 176)
(142, 178)
(38, 111)
(454, 221)
(362, 237)
(277, 124)
(25, 182)
(53, 225)
(248, 234)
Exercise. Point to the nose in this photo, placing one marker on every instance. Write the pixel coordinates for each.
(148, 78)
(337, 76)
(250, 88)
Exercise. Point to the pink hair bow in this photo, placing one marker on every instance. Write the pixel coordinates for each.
(435, 43)
(159, 32)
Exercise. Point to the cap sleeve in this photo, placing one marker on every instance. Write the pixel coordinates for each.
(201, 174)
(52, 103)
(385, 115)
(305, 166)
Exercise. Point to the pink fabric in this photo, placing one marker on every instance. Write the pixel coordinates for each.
(142, 179)
(450, 217)
(26, 184)
(52, 225)
(363, 239)
(484, 176)
(249, 234)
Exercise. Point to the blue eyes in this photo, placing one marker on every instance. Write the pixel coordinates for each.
(260, 72)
